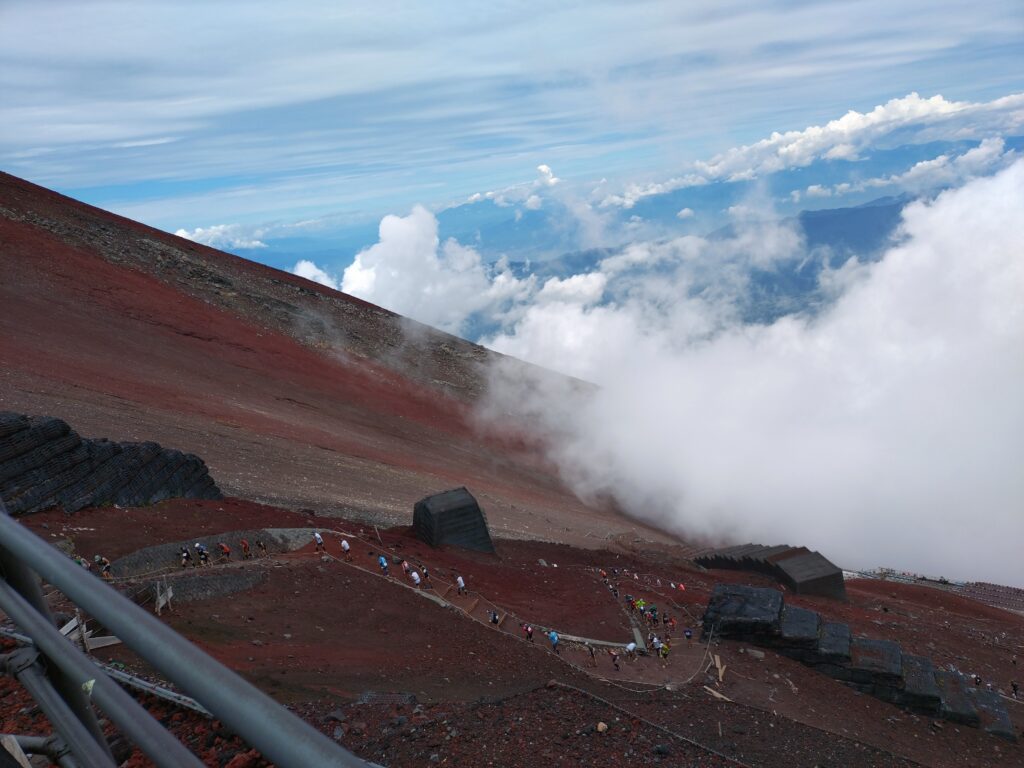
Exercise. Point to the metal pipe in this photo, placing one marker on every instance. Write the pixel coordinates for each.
(52, 747)
(279, 735)
(27, 584)
(24, 665)
(133, 720)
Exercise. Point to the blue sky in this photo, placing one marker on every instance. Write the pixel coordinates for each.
(192, 114)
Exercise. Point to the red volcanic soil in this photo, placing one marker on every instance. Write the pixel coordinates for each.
(333, 637)
(293, 394)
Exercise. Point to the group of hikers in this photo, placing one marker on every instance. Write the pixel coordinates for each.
(202, 558)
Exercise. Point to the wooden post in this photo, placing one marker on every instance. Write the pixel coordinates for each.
(10, 745)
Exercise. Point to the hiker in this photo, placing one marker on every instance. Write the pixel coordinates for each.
(426, 576)
(186, 556)
(671, 625)
(405, 567)
(319, 541)
(246, 552)
(261, 547)
(415, 578)
(528, 631)
(224, 550)
(203, 554)
(553, 637)
(460, 583)
(615, 659)
(383, 562)
(104, 565)
(665, 648)
(346, 550)
(495, 619)
(656, 645)
(593, 658)
(631, 650)
(1015, 689)
(688, 634)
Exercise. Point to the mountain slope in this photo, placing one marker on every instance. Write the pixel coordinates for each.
(291, 392)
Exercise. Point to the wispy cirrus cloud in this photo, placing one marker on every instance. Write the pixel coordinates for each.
(411, 102)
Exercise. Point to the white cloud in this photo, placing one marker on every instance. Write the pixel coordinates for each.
(583, 290)
(547, 176)
(411, 272)
(533, 203)
(926, 119)
(224, 236)
(310, 271)
(634, 193)
(685, 213)
(887, 430)
(817, 190)
(942, 171)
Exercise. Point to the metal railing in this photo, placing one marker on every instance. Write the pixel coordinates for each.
(66, 683)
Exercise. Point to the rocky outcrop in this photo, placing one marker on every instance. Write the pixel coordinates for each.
(801, 570)
(45, 464)
(877, 667)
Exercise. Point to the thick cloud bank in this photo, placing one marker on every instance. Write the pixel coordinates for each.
(885, 427)
(886, 430)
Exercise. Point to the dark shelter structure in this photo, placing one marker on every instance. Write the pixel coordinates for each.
(803, 571)
(452, 517)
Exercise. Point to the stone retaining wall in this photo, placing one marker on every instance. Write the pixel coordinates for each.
(879, 667)
(44, 464)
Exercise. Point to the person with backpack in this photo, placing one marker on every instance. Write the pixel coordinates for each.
(246, 552)
(319, 541)
(224, 550)
(383, 563)
(346, 550)
(460, 584)
(203, 553)
(527, 632)
(104, 565)
(186, 556)
(553, 637)
(615, 659)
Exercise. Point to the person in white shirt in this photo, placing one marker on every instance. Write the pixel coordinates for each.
(415, 576)
(345, 549)
(461, 584)
(631, 651)
(319, 541)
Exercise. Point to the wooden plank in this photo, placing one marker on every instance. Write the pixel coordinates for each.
(717, 695)
(10, 745)
(67, 628)
(101, 642)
